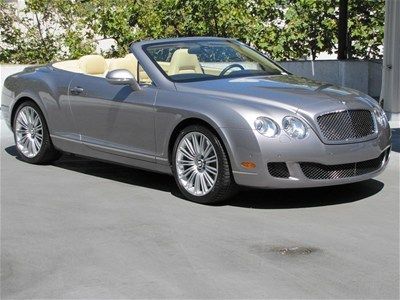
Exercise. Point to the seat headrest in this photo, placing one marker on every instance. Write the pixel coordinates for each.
(183, 62)
(116, 63)
(130, 56)
(93, 64)
(128, 62)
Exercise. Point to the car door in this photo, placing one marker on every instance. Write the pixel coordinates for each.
(114, 118)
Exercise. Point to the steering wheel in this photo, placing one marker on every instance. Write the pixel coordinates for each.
(230, 67)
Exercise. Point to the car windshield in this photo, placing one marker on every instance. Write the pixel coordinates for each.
(205, 60)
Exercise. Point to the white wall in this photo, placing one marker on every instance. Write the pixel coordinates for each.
(365, 76)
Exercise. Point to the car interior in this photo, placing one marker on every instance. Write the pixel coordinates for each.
(97, 65)
(180, 64)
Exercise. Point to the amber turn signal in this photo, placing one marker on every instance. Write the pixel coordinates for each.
(248, 165)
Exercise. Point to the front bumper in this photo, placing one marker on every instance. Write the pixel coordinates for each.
(296, 155)
(6, 100)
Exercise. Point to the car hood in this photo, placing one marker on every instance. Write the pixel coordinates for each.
(285, 91)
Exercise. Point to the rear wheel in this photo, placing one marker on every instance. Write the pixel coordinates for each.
(32, 136)
(201, 167)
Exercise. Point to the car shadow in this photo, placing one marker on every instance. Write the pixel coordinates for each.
(306, 197)
(246, 198)
(117, 172)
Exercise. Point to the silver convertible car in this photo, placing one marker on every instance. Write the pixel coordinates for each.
(212, 112)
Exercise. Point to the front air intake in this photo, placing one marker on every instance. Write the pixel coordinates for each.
(320, 172)
(278, 169)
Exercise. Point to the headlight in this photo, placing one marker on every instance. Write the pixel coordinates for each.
(381, 117)
(294, 127)
(266, 126)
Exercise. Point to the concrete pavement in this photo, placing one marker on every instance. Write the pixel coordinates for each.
(87, 229)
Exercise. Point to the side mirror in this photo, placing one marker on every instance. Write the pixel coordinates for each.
(122, 77)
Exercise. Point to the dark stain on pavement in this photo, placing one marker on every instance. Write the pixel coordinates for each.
(283, 251)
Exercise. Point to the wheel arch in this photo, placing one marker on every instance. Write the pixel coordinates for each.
(197, 121)
(17, 103)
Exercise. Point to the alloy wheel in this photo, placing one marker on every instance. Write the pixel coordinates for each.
(196, 164)
(29, 131)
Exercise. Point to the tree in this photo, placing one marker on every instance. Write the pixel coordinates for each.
(44, 31)
(24, 38)
(366, 28)
(110, 19)
(282, 29)
(342, 29)
(309, 28)
(173, 18)
(285, 29)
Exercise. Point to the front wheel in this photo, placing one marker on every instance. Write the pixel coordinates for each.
(32, 136)
(201, 166)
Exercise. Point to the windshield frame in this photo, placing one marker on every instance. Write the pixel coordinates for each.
(183, 42)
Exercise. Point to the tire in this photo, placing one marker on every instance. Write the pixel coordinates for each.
(190, 165)
(31, 135)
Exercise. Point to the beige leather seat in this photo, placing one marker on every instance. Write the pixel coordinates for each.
(129, 62)
(183, 63)
(93, 65)
(96, 65)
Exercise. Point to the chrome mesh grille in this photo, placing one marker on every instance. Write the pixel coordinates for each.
(320, 171)
(346, 125)
(278, 169)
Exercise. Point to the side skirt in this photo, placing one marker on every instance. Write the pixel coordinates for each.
(76, 147)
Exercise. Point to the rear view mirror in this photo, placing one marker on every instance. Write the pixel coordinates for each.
(122, 77)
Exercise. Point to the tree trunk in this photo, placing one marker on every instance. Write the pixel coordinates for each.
(342, 29)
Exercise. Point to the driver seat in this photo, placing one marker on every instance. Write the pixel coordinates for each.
(183, 63)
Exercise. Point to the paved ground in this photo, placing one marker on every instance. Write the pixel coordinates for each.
(85, 229)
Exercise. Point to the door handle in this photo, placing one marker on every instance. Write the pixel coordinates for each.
(76, 90)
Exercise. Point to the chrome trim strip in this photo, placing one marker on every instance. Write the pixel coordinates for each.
(243, 173)
(64, 138)
(114, 151)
